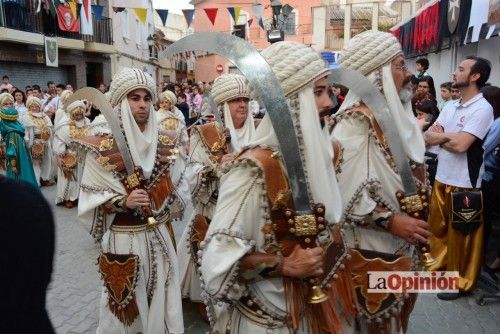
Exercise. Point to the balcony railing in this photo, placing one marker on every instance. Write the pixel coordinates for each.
(19, 17)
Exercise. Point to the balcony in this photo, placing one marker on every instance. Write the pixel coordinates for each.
(19, 17)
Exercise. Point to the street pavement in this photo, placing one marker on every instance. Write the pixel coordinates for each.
(73, 296)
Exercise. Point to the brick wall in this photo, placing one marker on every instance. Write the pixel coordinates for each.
(19, 62)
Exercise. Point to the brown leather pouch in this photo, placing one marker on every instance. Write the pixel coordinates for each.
(373, 305)
(198, 232)
(119, 273)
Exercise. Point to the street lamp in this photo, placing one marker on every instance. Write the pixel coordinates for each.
(150, 40)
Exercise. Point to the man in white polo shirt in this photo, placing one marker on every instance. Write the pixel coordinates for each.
(459, 130)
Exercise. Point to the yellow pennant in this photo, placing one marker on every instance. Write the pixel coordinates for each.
(72, 6)
(142, 14)
(236, 14)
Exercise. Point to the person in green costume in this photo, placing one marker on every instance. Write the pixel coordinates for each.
(17, 157)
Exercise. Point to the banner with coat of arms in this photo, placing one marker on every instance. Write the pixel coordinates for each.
(51, 52)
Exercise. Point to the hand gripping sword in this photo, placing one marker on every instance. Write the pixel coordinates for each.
(209, 102)
(413, 201)
(305, 222)
(134, 179)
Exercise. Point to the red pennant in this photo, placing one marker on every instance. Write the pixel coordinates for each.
(212, 14)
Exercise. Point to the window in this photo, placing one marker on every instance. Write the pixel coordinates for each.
(125, 24)
(288, 24)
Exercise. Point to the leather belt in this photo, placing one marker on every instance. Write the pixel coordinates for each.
(127, 219)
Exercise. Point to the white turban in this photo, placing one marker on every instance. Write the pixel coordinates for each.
(228, 87)
(369, 51)
(127, 80)
(4, 97)
(33, 100)
(169, 96)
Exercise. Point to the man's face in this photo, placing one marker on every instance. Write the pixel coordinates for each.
(423, 87)
(52, 88)
(462, 77)
(321, 95)
(402, 78)
(445, 94)
(139, 101)
(181, 100)
(419, 67)
(58, 91)
(37, 93)
(5, 80)
(29, 92)
(239, 110)
(455, 94)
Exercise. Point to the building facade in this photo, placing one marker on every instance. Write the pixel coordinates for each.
(297, 26)
(82, 59)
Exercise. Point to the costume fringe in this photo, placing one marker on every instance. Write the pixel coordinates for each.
(127, 314)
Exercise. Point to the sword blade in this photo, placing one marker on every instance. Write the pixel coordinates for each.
(260, 75)
(374, 100)
(99, 100)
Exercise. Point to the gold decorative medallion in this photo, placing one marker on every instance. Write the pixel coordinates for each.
(106, 144)
(132, 181)
(305, 225)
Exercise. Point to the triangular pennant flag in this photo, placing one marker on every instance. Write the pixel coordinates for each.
(118, 9)
(261, 23)
(250, 22)
(78, 10)
(257, 10)
(235, 13)
(97, 10)
(86, 4)
(72, 6)
(188, 15)
(53, 8)
(141, 13)
(211, 13)
(163, 13)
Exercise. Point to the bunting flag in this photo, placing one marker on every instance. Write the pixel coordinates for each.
(163, 13)
(188, 15)
(72, 6)
(258, 10)
(86, 18)
(250, 22)
(118, 9)
(211, 14)
(53, 8)
(142, 14)
(66, 20)
(86, 6)
(261, 23)
(235, 13)
(97, 10)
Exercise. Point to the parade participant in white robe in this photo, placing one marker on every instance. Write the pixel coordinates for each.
(138, 261)
(39, 138)
(69, 162)
(61, 112)
(208, 150)
(379, 233)
(170, 120)
(250, 259)
(6, 101)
